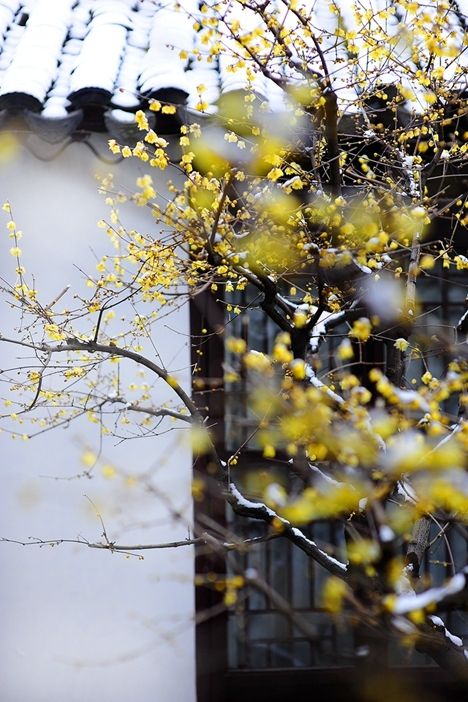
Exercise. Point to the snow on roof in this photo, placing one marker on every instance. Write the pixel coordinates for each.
(57, 56)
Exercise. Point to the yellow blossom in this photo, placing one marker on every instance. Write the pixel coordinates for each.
(54, 332)
(274, 174)
(333, 594)
(401, 344)
(200, 440)
(298, 369)
(362, 329)
(269, 451)
(141, 120)
(108, 471)
(257, 361)
(88, 458)
(345, 350)
(236, 345)
(426, 378)
(281, 353)
(113, 146)
(300, 318)
(77, 372)
(153, 138)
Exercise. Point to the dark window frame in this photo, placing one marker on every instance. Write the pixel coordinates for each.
(216, 682)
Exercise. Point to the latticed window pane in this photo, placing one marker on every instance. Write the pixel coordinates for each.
(259, 635)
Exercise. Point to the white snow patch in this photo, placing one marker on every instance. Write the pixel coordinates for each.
(456, 640)
(298, 533)
(409, 603)
(320, 328)
(386, 534)
(249, 504)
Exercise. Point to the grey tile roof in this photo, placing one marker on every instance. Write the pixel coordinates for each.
(59, 53)
(58, 57)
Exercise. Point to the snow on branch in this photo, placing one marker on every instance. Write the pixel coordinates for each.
(325, 322)
(258, 510)
(406, 603)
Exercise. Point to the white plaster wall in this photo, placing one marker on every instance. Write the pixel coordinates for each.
(78, 624)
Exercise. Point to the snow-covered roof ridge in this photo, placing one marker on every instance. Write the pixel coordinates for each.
(97, 65)
(35, 59)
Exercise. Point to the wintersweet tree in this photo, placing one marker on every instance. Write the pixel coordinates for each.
(322, 193)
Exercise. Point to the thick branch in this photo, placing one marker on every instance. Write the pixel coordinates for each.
(444, 648)
(258, 510)
(418, 545)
